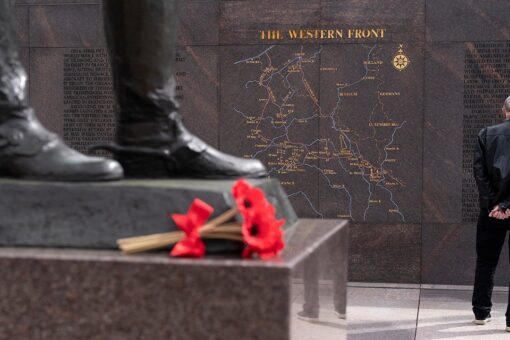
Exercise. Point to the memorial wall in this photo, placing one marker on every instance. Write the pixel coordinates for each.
(363, 109)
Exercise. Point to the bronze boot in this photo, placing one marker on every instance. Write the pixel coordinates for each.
(27, 149)
(151, 139)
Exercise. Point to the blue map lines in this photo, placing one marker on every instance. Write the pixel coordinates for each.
(328, 126)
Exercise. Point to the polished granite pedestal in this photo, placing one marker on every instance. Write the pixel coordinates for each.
(95, 215)
(102, 294)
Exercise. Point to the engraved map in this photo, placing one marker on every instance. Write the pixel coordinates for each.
(338, 125)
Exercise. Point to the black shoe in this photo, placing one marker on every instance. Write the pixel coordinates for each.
(340, 315)
(173, 152)
(482, 320)
(29, 151)
(308, 316)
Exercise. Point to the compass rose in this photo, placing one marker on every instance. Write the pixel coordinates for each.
(400, 60)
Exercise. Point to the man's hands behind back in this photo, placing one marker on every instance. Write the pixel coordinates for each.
(499, 213)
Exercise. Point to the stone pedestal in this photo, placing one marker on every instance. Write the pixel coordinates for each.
(102, 294)
(95, 215)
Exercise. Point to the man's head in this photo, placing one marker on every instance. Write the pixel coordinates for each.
(506, 109)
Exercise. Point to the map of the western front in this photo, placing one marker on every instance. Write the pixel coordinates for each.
(338, 125)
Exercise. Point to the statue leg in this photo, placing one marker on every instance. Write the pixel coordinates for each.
(13, 77)
(27, 149)
(151, 138)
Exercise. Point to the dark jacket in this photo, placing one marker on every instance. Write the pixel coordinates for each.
(491, 166)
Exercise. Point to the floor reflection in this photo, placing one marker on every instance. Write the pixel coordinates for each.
(325, 324)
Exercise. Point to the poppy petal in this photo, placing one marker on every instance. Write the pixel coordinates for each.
(189, 247)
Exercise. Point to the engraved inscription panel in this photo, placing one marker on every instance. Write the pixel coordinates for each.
(89, 116)
(486, 86)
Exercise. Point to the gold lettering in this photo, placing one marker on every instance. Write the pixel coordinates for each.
(348, 94)
(293, 34)
(271, 35)
(351, 33)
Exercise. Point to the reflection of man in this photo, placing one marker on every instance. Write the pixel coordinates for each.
(151, 139)
(492, 174)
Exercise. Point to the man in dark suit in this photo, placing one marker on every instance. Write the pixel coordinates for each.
(492, 173)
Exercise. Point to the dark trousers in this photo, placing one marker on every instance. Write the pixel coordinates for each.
(490, 238)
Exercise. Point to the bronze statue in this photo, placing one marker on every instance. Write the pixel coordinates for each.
(151, 139)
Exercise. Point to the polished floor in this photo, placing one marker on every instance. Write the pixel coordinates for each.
(403, 312)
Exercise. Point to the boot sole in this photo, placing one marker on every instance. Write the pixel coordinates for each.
(81, 179)
(150, 166)
(157, 170)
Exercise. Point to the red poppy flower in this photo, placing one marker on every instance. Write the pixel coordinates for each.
(250, 199)
(263, 235)
(189, 247)
(192, 246)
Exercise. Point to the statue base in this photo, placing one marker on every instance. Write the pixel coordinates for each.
(95, 215)
(102, 294)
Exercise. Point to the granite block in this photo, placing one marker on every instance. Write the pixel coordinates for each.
(388, 253)
(197, 90)
(47, 71)
(71, 294)
(467, 20)
(270, 111)
(21, 13)
(316, 273)
(403, 20)
(449, 255)
(95, 215)
(442, 149)
(242, 22)
(78, 25)
(327, 326)
(199, 22)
